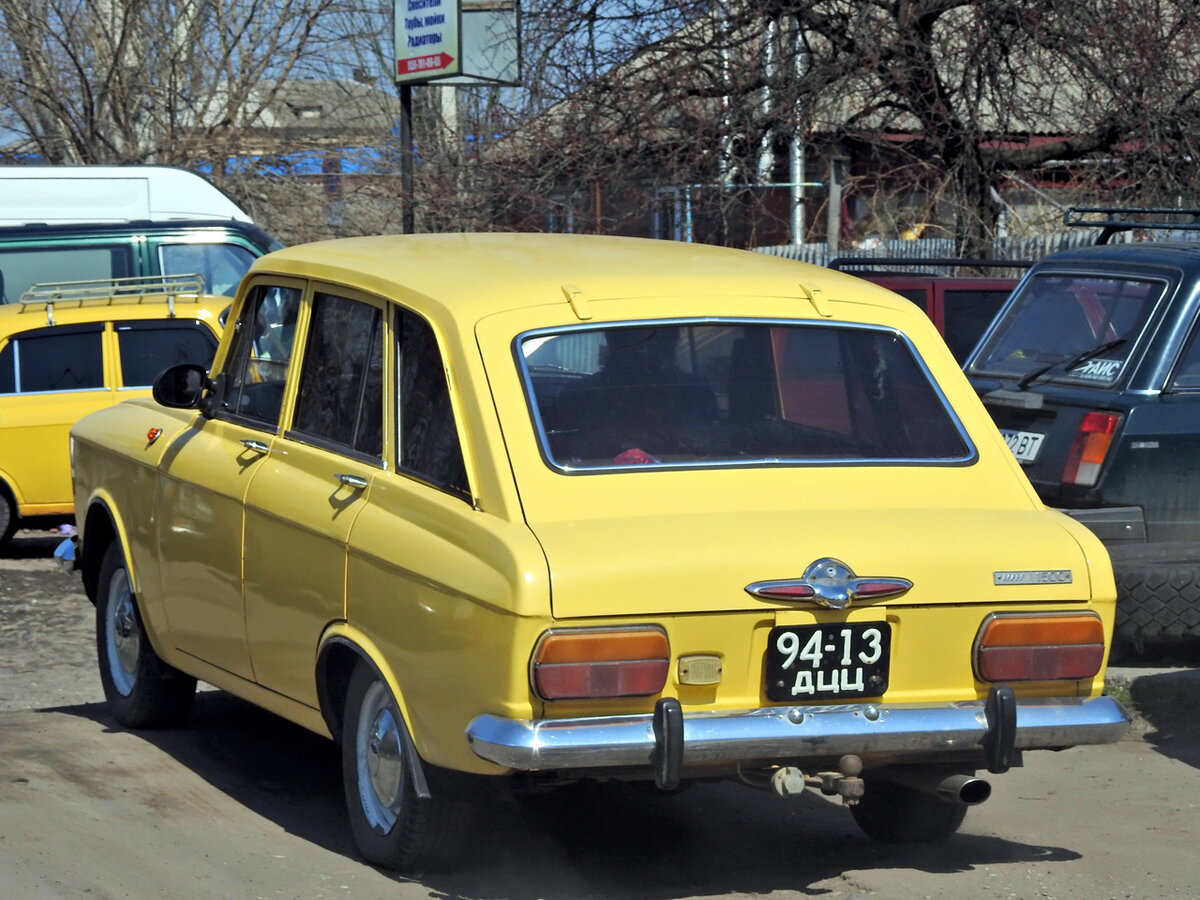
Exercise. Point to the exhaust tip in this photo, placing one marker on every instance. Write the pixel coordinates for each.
(965, 789)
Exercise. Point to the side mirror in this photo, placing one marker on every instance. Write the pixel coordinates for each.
(181, 387)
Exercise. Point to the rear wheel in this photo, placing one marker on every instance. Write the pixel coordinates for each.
(142, 691)
(392, 825)
(897, 814)
(8, 515)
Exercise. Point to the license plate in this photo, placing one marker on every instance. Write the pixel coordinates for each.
(1023, 444)
(828, 662)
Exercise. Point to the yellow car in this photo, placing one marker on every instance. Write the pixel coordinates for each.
(71, 348)
(572, 507)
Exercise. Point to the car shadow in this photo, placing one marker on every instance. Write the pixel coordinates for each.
(31, 545)
(1170, 703)
(591, 839)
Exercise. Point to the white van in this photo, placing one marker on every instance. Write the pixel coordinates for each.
(71, 194)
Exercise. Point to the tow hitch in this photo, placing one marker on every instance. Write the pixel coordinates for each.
(787, 781)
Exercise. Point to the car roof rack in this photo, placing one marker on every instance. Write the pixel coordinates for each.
(109, 291)
(1114, 219)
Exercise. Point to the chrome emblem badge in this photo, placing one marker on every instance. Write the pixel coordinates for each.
(830, 583)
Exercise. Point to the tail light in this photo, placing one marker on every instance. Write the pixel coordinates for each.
(1031, 647)
(1090, 447)
(591, 663)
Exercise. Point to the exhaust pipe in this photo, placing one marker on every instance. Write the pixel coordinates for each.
(966, 790)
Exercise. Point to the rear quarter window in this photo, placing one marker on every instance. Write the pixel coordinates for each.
(146, 348)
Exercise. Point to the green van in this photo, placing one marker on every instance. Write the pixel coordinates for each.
(85, 223)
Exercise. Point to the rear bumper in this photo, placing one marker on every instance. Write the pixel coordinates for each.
(876, 732)
(1112, 524)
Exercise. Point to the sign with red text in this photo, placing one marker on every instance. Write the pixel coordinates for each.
(457, 41)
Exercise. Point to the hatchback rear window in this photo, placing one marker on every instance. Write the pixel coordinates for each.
(740, 393)
(1078, 328)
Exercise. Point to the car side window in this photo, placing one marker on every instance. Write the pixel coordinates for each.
(1187, 373)
(340, 399)
(146, 348)
(260, 351)
(63, 358)
(427, 438)
(220, 265)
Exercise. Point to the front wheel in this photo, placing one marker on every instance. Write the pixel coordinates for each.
(142, 691)
(898, 814)
(392, 825)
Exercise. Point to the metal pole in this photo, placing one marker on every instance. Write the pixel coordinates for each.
(408, 219)
(833, 213)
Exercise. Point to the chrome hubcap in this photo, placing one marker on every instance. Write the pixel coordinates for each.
(123, 634)
(380, 759)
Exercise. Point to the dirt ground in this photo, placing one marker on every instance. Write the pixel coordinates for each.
(239, 803)
(47, 653)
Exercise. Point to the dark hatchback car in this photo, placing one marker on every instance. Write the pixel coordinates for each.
(1092, 373)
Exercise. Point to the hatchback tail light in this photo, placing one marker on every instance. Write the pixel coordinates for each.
(1090, 447)
(592, 663)
(1032, 647)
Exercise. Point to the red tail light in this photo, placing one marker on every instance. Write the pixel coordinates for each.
(591, 663)
(1090, 447)
(1031, 647)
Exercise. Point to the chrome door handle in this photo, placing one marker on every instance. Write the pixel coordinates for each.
(353, 481)
(256, 446)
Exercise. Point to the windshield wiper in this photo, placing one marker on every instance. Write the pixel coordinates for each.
(1070, 363)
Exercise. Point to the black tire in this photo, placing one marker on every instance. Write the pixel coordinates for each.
(1158, 607)
(897, 814)
(392, 826)
(142, 691)
(8, 516)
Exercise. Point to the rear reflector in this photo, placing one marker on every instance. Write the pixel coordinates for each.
(592, 663)
(1024, 647)
(1089, 448)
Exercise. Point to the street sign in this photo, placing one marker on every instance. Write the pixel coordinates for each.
(457, 41)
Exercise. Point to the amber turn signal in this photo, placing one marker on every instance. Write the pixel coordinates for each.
(1032, 647)
(593, 663)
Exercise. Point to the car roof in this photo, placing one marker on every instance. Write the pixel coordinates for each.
(39, 233)
(473, 275)
(1178, 254)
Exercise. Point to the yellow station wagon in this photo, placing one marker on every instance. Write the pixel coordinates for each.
(581, 507)
(71, 348)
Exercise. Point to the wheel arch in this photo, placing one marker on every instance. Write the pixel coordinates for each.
(99, 529)
(342, 651)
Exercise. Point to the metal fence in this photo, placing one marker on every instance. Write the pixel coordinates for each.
(1025, 248)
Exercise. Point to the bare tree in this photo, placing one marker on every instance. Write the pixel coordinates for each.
(941, 102)
(119, 81)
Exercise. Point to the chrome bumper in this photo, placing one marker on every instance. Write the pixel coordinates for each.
(793, 733)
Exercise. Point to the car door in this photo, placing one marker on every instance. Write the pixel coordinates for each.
(49, 378)
(206, 473)
(305, 497)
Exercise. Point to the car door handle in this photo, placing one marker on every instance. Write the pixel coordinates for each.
(353, 481)
(256, 446)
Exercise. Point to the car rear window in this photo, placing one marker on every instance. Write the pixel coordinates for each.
(1078, 328)
(734, 393)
